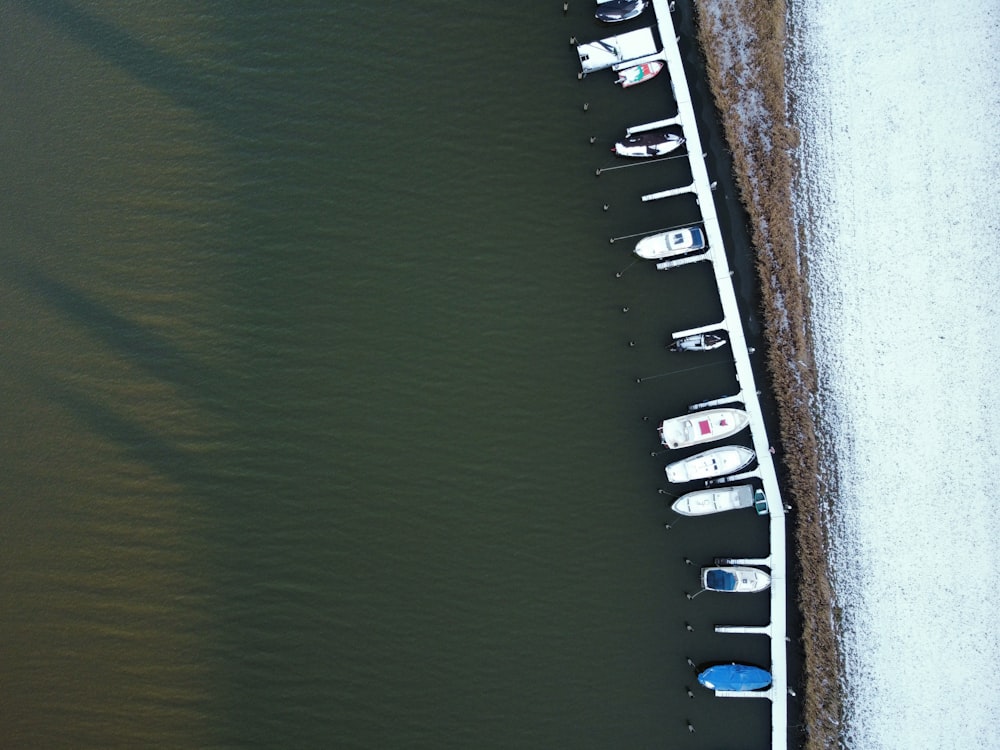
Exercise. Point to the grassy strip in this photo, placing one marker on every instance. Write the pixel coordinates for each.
(743, 42)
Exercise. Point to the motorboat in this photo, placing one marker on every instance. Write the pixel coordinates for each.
(614, 11)
(645, 145)
(737, 579)
(618, 50)
(637, 74)
(738, 677)
(702, 427)
(697, 342)
(669, 244)
(716, 462)
(719, 500)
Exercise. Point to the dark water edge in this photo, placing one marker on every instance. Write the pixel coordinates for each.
(322, 425)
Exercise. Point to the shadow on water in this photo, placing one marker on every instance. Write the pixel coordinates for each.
(153, 68)
(127, 434)
(140, 345)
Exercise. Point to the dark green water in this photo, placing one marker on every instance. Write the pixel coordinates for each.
(320, 425)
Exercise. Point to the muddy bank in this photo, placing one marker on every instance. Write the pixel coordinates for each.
(743, 42)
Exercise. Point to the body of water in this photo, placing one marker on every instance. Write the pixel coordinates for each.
(897, 107)
(321, 420)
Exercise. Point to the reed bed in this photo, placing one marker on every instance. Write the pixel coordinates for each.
(743, 42)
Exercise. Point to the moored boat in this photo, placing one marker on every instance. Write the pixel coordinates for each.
(735, 579)
(614, 11)
(646, 145)
(669, 244)
(739, 677)
(702, 427)
(715, 500)
(617, 50)
(697, 342)
(716, 462)
(637, 74)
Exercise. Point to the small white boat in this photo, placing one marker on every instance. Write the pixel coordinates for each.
(716, 462)
(736, 579)
(669, 244)
(637, 74)
(719, 500)
(646, 145)
(697, 342)
(702, 427)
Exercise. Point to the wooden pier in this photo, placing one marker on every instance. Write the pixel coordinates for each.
(702, 188)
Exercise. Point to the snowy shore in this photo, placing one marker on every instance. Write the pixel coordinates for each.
(881, 216)
(897, 132)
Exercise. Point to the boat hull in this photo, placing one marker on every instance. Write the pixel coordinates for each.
(698, 342)
(636, 74)
(616, 11)
(648, 145)
(708, 502)
(670, 244)
(734, 579)
(738, 677)
(702, 427)
(717, 462)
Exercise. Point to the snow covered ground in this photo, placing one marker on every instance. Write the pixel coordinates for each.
(898, 105)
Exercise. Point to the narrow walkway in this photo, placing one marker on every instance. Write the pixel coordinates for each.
(702, 187)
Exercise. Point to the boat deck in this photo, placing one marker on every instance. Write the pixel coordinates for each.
(702, 188)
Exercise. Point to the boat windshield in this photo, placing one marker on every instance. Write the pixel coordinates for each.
(721, 580)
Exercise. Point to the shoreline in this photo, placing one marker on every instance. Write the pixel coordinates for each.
(743, 43)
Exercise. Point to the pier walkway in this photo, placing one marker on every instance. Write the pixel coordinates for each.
(702, 188)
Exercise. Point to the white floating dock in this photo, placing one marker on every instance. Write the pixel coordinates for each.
(699, 329)
(692, 188)
(745, 694)
(654, 125)
(666, 265)
(777, 629)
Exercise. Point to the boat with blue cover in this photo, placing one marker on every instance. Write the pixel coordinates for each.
(738, 677)
(734, 579)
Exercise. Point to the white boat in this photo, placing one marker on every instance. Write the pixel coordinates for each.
(697, 342)
(719, 500)
(716, 462)
(613, 50)
(636, 74)
(736, 579)
(669, 244)
(702, 427)
(646, 145)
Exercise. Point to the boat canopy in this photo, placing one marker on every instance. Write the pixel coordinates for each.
(720, 580)
(735, 677)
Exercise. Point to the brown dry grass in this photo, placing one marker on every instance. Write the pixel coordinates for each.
(763, 149)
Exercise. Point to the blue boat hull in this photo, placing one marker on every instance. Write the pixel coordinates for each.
(735, 677)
